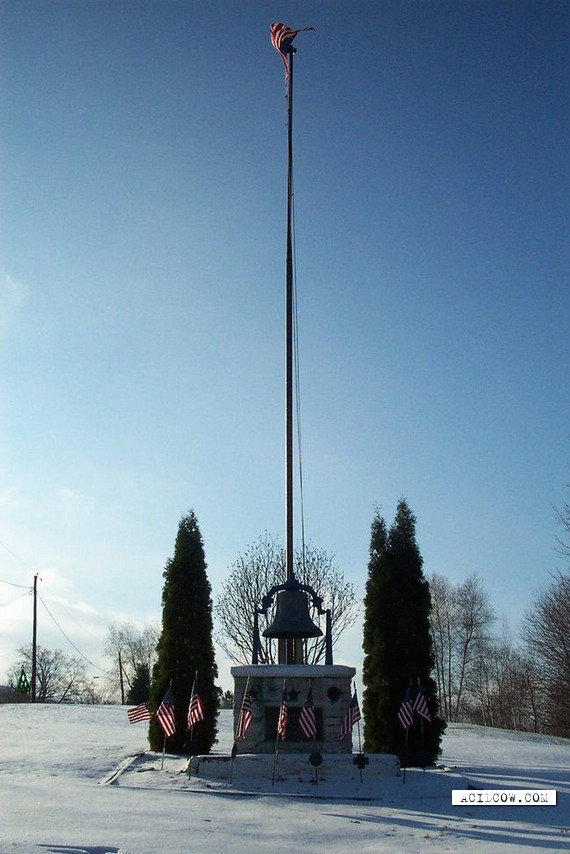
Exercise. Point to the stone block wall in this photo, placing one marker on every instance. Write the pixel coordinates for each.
(332, 691)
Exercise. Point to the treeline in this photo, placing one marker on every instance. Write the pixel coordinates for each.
(471, 669)
(428, 631)
(483, 676)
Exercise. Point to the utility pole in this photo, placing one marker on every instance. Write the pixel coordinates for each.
(35, 638)
(121, 679)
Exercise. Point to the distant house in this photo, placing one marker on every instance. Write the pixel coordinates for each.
(8, 695)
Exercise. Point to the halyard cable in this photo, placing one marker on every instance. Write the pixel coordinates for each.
(297, 386)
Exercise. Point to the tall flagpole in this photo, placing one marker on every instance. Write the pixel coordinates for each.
(289, 565)
(281, 38)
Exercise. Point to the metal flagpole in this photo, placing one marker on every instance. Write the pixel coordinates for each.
(289, 329)
(282, 37)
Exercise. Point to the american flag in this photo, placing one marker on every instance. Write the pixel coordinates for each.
(195, 709)
(139, 713)
(406, 712)
(165, 714)
(352, 717)
(282, 38)
(420, 705)
(245, 716)
(307, 719)
(282, 719)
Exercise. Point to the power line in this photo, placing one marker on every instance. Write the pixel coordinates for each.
(21, 596)
(28, 590)
(68, 639)
(11, 584)
(22, 561)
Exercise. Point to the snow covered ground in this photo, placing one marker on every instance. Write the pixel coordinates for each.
(60, 794)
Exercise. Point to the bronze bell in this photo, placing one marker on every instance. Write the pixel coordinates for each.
(292, 619)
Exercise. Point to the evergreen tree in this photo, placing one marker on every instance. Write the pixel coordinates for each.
(139, 691)
(185, 645)
(372, 637)
(397, 643)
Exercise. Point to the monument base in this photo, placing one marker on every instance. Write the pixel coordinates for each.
(251, 766)
(331, 687)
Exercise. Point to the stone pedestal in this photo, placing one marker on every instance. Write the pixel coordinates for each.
(332, 691)
(259, 768)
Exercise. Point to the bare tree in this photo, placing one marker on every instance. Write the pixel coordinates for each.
(475, 617)
(563, 545)
(128, 648)
(460, 620)
(546, 632)
(59, 677)
(505, 687)
(443, 625)
(253, 574)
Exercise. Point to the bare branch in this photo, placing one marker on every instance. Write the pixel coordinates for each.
(252, 575)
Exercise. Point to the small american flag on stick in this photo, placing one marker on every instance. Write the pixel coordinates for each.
(282, 719)
(195, 709)
(165, 714)
(139, 713)
(245, 716)
(352, 717)
(420, 705)
(406, 711)
(307, 719)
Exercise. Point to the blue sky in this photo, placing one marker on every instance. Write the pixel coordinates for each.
(142, 292)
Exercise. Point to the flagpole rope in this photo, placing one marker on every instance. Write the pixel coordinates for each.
(297, 388)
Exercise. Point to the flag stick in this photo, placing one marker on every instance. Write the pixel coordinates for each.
(234, 748)
(190, 757)
(163, 752)
(405, 754)
(276, 749)
(359, 740)
(316, 766)
(315, 750)
(359, 748)
(421, 717)
(194, 689)
(275, 753)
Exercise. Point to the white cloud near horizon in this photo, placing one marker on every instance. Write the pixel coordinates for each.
(13, 294)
